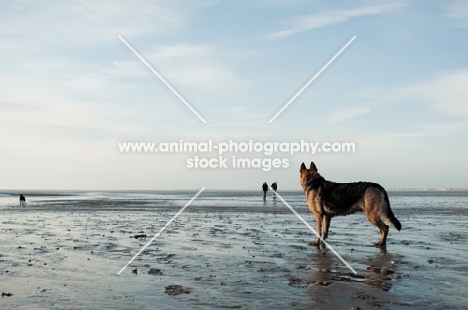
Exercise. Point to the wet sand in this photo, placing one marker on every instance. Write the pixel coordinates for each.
(66, 255)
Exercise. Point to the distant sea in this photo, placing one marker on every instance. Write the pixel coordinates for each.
(101, 200)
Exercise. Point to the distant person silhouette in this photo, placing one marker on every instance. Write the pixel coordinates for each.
(22, 200)
(274, 186)
(265, 189)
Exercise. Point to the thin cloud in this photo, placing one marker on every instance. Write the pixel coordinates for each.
(317, 20)
(447, 91)
(195, 69)
(347, 113)
(458, 10)
(444, 94)
(90, 22)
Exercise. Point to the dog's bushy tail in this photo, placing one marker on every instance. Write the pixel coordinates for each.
(389, 214)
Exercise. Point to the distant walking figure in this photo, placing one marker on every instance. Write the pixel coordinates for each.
(265, 189)
(274, 186)
(22, 200)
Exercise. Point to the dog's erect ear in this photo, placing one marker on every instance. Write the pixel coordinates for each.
(312, 167)
(303, 167)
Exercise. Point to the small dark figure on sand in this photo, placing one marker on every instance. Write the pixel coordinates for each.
(274, 186)
(22, 200)
(265, 189)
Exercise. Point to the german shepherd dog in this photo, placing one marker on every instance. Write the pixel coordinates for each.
(327, 199)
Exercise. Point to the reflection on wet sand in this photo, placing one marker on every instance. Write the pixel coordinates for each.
(378, 274)
(330, 284)
(380, 270)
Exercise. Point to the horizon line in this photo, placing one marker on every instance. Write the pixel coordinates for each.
(437, 189)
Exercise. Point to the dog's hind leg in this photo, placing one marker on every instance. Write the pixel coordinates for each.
(318, 223)
(383, 234)
(372, 206)
(377, 221)
(325, 225)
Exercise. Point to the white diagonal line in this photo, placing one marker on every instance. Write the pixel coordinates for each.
(313, 230)
(163, 80)
(312, 79)
(161, 230)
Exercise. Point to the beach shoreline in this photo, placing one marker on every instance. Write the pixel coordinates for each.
(66, 255)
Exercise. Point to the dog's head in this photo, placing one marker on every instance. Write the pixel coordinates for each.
(306, 172)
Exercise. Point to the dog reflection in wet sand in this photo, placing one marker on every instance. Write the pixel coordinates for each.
(327, 199)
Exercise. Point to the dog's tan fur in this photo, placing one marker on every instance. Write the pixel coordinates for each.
(373, 202)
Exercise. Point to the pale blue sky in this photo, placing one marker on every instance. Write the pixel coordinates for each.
(70, 90)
